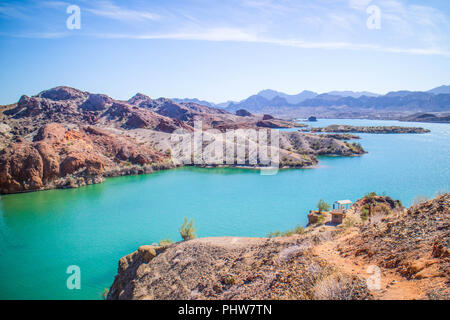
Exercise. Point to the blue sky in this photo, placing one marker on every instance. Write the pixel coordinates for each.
(223, 50)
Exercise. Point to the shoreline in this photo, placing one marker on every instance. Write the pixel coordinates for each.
(107, 177)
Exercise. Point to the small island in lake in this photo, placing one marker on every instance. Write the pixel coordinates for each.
(341, 136)
(370, 129)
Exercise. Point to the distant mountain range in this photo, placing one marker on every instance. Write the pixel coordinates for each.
(271, 101)
(441, 90)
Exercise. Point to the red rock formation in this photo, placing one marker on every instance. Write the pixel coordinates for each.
(21, 168)
(59, 157)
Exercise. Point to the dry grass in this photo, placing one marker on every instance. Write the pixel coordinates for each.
(336, 287)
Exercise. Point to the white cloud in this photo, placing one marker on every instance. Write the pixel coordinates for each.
(110, 10)
(359, 4)
(12, 11)
(238, 35)
(320, 24)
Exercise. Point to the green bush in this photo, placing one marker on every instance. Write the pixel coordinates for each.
(365, 213)
(105, 293)
(370, 195)
(297, 230)
(323, 206)
(320, 220)
(349, 222)
(187, 230)
(229, 280)
(165, 242)
(274, 234)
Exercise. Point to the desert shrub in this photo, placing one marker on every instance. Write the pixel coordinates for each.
(349, 222)
(229, 280)
(370, 195)
(320, 220)
(293, 251)
(165, 242)
(419, 200)
(274, 234)
(127, 163)
(288, 233)
(365, 213)
(105, 293)
(187, 230)
(377, 216)
(356, 146)
(323, 206)
(297, 230)
(335, 287)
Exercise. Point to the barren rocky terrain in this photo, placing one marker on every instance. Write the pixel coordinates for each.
(64, 137)
(409, 246)
(356, 129)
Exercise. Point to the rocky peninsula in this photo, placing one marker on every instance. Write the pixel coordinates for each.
(323, 261)
(370, 129)
(341, 136)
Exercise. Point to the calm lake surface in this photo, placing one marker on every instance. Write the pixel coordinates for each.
(42, 233)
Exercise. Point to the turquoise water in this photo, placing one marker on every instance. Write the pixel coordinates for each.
(42, 233)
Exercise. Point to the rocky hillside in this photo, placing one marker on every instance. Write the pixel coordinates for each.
(230, 268)
(413, 243)
(64, 137)
(409, 246)
(58, 157)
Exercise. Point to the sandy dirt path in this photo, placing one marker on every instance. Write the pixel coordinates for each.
(392, 285)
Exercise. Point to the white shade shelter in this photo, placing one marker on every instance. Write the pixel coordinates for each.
(341, 204)
(339, 209)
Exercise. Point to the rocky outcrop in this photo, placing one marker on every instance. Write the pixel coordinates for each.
(63, 93)
(230, 268)
(373, 204)
(59, 157)
(72, 106)
(321, 262)
(440, 117)
(311, 144)
(21, 168)
(96, 102)
(243, 113)
(413, 243)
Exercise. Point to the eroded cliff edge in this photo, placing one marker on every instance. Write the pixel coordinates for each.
(409, 246)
